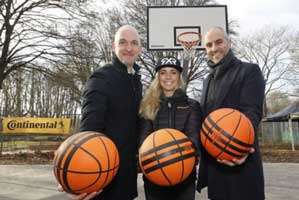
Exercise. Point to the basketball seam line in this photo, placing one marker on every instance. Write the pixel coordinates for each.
(158, 148)
(227, 135)
(93, 172)
(225, 143)
(216, 122)
(174, 160)
(63, 179)
(166, 154)
(108, 161)
(217, 145)
(72, 152)
(158, 161)
(177, 143)
(79, 146)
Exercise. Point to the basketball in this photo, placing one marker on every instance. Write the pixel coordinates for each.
(167, 157)
(227, 134)
(85, 162)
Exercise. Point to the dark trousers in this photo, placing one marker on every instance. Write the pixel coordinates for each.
(183, 191)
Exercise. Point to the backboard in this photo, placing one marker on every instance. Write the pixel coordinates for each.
(165, 24)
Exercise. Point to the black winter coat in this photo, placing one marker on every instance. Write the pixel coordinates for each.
(238, 85)
(184, 114)
(110, 105)
(178, 112)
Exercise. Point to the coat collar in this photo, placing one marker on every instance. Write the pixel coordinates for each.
(178, 95)
(220, 68)
(224, 73)
(122, 67)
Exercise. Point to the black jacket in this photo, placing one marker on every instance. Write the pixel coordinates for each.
(184, 114)
(238, 85)
(110, 105)
(178, 112)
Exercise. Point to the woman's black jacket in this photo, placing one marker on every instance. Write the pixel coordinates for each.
(178, 112)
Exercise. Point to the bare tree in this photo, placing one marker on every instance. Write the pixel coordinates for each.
(269, 49)
(82, 57)
(64, 52)
(276, 101)
(32, 93)
(31, 30)
(294, 54)
(294, 50)
(87, 46)
(104, 28)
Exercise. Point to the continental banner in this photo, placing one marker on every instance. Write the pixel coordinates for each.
(28, 125)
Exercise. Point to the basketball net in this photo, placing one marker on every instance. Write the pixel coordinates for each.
(189, 41)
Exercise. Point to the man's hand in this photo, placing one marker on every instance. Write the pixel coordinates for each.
(83, 196)
(235, 162)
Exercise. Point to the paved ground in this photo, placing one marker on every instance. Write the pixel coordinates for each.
(36, 182)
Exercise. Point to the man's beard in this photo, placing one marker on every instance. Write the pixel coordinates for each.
(127, 63)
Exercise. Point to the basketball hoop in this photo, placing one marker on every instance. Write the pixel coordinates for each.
(189, 40)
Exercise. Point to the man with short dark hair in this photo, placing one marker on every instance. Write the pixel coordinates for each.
(238, 85)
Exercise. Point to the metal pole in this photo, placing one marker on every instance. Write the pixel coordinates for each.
(291, 133)
(1, 135)
(1, 140)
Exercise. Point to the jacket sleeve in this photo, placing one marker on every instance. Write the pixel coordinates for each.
(252, 95)
(193, 124)
(146, 128)
(94, 105)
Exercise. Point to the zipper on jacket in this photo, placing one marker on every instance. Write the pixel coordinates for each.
(169, 105)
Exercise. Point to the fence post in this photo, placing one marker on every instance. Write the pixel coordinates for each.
(1, 136)
(291, 133)
(1, 140)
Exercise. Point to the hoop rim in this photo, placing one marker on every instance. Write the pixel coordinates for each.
(188, 44)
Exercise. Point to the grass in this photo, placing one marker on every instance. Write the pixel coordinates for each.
(31, 145)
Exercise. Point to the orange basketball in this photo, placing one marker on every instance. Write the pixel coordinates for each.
(226, 134)
(167, 157)
(86, 162)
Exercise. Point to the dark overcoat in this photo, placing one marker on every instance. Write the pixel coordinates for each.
(110, 105)
(239, 85)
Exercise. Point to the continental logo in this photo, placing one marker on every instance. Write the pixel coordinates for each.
(38, 125)
(14, 124)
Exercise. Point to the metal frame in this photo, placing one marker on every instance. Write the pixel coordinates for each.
(181, 49)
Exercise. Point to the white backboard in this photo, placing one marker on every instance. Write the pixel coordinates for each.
(164, 24)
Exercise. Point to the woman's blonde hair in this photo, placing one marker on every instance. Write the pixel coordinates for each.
(150, 102)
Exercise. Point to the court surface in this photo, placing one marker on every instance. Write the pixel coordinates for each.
(32, 182)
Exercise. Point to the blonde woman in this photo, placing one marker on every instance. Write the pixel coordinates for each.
(165, 105)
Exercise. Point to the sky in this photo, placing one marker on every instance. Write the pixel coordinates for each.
(252, 15)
